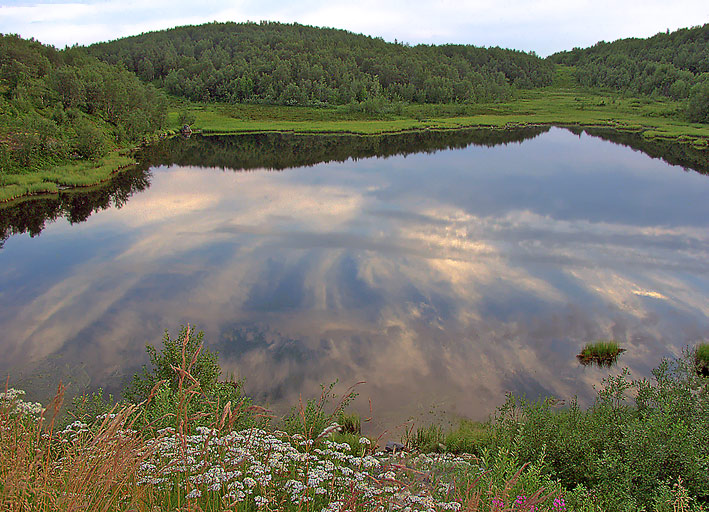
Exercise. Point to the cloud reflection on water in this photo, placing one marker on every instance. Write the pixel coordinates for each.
(439, 279)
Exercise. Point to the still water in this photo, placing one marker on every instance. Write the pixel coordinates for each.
(443, 270)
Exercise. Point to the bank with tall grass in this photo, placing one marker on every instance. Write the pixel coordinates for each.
(183, 439)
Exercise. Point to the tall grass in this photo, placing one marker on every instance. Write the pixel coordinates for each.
(77, 174)
(76, 468)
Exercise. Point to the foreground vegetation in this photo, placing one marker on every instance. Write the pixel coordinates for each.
(184, 440)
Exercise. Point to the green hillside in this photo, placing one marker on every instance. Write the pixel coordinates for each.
(672, 64)
(66, 111)
(302, 65)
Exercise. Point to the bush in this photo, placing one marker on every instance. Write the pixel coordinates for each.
(187, 117)
(698, 105)
(701, 359)
(89, 141)
(638, 434)
(184, 379)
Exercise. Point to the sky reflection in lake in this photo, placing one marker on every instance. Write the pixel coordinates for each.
(441, 279)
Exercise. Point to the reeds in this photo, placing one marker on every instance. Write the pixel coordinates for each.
(74, 469)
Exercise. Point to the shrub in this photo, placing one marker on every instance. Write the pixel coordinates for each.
(638, 434)
(698, 105)
(89, 141)
(185, 374)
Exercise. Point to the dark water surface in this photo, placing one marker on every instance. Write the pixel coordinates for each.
(444, 278)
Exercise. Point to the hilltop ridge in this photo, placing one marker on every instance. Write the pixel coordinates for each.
(292, 64)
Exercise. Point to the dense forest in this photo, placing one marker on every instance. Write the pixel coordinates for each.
(672, 64)
(57, 106)
(301, 65)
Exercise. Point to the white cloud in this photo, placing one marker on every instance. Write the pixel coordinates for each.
(544, 26)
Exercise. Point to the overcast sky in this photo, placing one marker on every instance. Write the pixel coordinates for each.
(544, 26)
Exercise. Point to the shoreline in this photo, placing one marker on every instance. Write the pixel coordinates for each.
(653, 121)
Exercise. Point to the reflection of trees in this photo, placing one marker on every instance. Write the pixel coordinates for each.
(282, 151)
(271, 150)
(684, 155)
(30, 215)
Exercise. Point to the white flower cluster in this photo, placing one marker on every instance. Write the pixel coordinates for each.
(270, 469)
(12, 400)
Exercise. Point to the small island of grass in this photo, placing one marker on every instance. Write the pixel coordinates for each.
(601, 352)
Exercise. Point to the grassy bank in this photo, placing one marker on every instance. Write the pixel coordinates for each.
(654, 119)
(661, 118)
(184, 440)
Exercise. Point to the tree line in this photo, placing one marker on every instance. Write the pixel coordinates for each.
(672, 64)
(292, 64)
(61, 105)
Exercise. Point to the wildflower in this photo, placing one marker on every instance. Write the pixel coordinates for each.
(559, 504)
(364, 440)
(329, 430)
(194, 493)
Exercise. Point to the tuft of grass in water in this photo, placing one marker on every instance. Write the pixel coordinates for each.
(601, 352)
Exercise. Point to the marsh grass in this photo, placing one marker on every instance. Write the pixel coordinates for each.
(557, 105)
(77, 174)
(602, 353)
(467, 436)
(562, 104)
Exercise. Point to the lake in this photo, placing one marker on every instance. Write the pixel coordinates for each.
(444, 269)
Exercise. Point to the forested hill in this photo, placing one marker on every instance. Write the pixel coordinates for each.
(61, 106)
(303, 65)
(673, 64)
